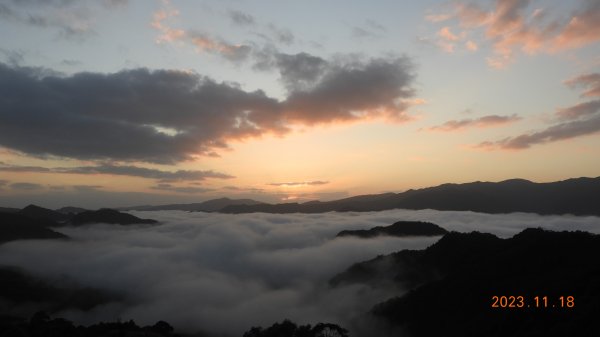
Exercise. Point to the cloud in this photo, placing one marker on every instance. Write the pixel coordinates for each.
(482, 122)
(281, 35)
(447, 34)
(85, 188)
(591, 82)
(300, 183)
(438, 17)
(26, 186)
(511, 26)
(73, 20)
(583, 28)
(351, 91)
(13, 57)
(167, 116)
(371, 29)
(167, 34)
(579, 110)
(202, 41)
(221, 268)
(298, 71)
(3, 182)
(552, 134)
(205, 43)
(180, 189)
(123, 170)
(240, 18)
(575, 121)
(472, 46)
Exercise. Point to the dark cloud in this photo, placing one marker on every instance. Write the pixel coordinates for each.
(26, 186)
(3, 182)
(181, 189)
(579, 110)
(482, 122)
(85, 188)
(241, 18)
(124, 170)
(300, 183)
(552, 134)
(591, 82)
(115, 116)
(298, 71)
(353, 90)
(166, 116)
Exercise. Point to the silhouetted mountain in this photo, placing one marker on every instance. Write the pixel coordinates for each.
(213, 205)
(110, 216)
(15, 226)
(9, 210)
(22, 293)
(400, 228)
(37, 212)
(69, 210)
(452, 284)
(574, 196)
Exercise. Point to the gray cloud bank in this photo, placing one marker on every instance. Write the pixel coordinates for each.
(123, 170)
(167, 116)
(225, 273)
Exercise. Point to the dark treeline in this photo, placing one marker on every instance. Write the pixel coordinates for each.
(291, 329)
(41, 325)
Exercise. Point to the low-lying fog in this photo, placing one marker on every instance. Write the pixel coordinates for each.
(225, 273)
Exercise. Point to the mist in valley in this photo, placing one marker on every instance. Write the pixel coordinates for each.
(223, 274)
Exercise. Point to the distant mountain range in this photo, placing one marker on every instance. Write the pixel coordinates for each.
(35, 222)
(213, 205)
(579, 196)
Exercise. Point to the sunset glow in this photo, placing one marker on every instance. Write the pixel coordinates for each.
(105, 103)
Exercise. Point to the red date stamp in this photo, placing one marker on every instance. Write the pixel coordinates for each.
(532, 302)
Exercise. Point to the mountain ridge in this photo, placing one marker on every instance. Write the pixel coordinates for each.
(572, 196)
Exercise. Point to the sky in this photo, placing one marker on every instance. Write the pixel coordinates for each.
(125, 102)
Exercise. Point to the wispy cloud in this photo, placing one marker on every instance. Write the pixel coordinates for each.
(72, 20)
(241, 18)
(300, 183)
(511, 25)
(26, 186)
(575, 121)
(591, 82)
(123, 170)
(554, 133)
(202, 41)
(482, 122)
(180, 189)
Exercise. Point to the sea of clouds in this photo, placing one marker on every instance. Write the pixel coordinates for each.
(222, 273)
